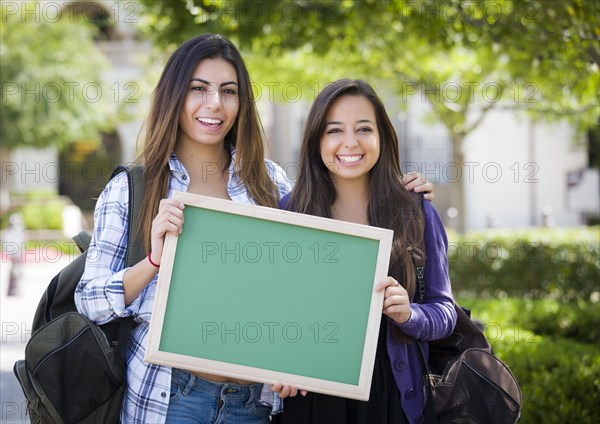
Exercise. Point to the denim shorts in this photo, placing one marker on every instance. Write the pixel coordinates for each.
(196, 400)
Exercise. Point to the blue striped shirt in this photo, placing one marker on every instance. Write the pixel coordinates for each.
(100, 296)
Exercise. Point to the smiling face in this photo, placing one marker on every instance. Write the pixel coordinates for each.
(350, 143)
(211, 104)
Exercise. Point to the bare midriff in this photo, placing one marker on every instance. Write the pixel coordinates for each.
(220, 379)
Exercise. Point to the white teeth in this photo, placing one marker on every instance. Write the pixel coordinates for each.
(350, 159)
(209, 120)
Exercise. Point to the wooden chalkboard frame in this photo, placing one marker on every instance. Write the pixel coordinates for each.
(359, 391)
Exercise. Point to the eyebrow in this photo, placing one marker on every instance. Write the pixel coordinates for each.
(209, 83)
(360, 121)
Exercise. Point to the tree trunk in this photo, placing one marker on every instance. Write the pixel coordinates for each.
(458, 190)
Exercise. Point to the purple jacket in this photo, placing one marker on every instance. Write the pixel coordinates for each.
(433, 319)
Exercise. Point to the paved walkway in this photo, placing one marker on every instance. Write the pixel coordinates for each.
(16, 316)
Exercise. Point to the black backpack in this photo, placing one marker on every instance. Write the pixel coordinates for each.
(74, 370)
(464, 381)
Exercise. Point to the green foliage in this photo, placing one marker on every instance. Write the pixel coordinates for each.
(539, 56)
(578, 321)
(559, 374)
(276, 25)
(68, 247)
(52, 94)
(560, 380)
(537, 263)
(525, 320)
(42, 211)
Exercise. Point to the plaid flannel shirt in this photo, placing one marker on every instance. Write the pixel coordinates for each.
(99, 294)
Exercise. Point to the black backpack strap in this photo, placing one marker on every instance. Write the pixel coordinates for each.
(420, 274)
(419, 258)
(430, 416)
(137, 188)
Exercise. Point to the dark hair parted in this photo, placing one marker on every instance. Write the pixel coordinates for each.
(162, 126)
(390, 204)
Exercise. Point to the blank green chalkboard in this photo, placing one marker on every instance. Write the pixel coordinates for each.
(271, 296)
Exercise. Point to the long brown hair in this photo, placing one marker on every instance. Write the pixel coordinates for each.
(390, 204)
(162, 127)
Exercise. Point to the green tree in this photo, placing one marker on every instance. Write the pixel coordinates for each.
(536, 56)
(51, 81)
(51, 92)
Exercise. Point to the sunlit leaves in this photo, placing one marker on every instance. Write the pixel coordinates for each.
(52, 94)
(533, 46)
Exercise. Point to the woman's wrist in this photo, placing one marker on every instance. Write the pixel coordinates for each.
(154, 264)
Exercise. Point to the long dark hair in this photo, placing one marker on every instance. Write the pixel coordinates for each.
(162, 126)
(390, 204)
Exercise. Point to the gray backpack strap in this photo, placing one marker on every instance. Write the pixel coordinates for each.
(137, 188)
(135, 244)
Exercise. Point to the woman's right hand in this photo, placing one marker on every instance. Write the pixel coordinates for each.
(169, 219)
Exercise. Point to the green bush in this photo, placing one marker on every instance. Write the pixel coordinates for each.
(40, 195)
(577, 320)
(43, 215)
(559, 376)
(68, 247)
(551, 262)
(39, 209)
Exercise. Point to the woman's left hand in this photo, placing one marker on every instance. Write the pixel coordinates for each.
(417, 182)
(285, 391)
(396, 304)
